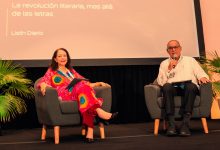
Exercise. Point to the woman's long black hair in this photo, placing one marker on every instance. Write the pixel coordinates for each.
(54, 64)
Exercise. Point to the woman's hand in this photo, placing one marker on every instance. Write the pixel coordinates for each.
(99, 84)
(43, 86)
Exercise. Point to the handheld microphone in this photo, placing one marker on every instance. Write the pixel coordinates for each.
(174, 58)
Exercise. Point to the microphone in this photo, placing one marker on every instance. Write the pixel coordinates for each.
(174, 58)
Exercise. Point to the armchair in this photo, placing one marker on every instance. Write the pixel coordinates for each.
(53, 112)
(155, 104)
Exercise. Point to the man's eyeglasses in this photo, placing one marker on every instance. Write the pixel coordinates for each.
(172, 47)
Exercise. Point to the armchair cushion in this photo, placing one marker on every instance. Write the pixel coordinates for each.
(69, 107)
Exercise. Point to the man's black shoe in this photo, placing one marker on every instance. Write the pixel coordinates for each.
(171, 131)
(184, 130)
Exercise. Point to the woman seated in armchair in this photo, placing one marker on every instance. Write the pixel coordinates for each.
(59, 76)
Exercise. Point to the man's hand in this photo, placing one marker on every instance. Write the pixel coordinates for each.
(172, 64)
(203, 80)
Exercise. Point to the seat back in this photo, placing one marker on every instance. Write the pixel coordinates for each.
(155, 103)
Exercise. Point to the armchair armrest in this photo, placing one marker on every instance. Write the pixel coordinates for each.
(47, 106)
(152, 92)
(206, 99)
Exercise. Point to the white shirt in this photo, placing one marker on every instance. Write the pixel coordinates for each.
(187, 68)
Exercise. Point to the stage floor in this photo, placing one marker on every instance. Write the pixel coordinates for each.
(118, 136)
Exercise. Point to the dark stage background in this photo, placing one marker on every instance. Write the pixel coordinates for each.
(127, 92)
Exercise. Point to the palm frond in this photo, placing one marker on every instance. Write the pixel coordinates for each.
(10, 106)
(5, 109)
(214, 62)
(7, 67)
(8, 77)
(18, 103)
(211, 66)
(216, 88)
(20, 89)
(13, 87)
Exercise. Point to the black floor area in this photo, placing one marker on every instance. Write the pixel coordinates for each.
(118, 136)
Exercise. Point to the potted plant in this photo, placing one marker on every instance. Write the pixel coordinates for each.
(14, 88)
(211, 65)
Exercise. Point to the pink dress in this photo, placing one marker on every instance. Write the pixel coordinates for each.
(82, 91)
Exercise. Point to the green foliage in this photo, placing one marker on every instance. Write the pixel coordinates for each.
(212, 67)
(14, 87)
(214, 63)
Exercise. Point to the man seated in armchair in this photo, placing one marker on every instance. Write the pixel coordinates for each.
(180, 75)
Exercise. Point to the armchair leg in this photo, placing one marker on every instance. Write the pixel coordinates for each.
(102, 130)
(205, 126)
(156, 126)
(44, 132)
(57, 134)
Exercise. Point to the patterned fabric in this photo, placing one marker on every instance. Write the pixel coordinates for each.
(82, 92)
(89, 116)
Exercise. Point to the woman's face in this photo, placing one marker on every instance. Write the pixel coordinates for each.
(61, 58)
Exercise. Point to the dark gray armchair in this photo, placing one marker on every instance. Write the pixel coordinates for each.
(155, 104)
(53, 112)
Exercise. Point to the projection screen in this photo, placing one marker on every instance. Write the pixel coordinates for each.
(211, 22)
(96, 32)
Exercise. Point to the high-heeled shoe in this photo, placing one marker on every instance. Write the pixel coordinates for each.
(114, 115)
(106, 122)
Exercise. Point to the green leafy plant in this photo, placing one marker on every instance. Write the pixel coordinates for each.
(14, 88)
(212, 67)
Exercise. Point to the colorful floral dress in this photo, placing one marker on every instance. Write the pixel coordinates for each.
(82, 91)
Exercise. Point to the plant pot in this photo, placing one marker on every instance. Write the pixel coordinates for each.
(215, 109)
